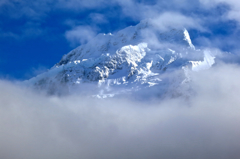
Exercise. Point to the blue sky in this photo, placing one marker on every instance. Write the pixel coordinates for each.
(34, 35)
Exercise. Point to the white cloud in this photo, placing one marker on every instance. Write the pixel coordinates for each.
(80, 34)
(98, 18)
(234, 7)
(173, 12)
(206, 126)
(176, 20)
(83, 4)
(33, 10)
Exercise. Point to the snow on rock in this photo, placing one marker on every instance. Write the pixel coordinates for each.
(135, 58)
(205, 64)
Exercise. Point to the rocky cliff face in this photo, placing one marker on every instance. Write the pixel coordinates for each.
(137, 58)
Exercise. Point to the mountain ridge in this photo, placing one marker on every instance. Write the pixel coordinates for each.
(132, 59)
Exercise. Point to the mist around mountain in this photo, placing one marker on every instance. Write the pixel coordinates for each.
(204, 126)
(132, 61)
(164, 99)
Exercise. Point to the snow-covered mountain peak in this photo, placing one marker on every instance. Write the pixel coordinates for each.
(133, 35)
(132, 59)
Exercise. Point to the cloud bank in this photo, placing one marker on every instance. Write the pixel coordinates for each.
(206, 126)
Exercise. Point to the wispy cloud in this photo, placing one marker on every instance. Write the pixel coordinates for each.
(233, 10)
(175, 20)
(200, 14)
(28, 30)
(80, 34)
(83, 4)
(98, 18)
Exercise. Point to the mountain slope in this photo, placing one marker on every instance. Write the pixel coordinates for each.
(133, 59)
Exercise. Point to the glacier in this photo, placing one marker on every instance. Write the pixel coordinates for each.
(134, 60)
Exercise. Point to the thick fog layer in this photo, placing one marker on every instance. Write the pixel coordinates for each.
(73, 127)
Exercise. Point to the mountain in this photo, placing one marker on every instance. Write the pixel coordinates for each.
(134, 60)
